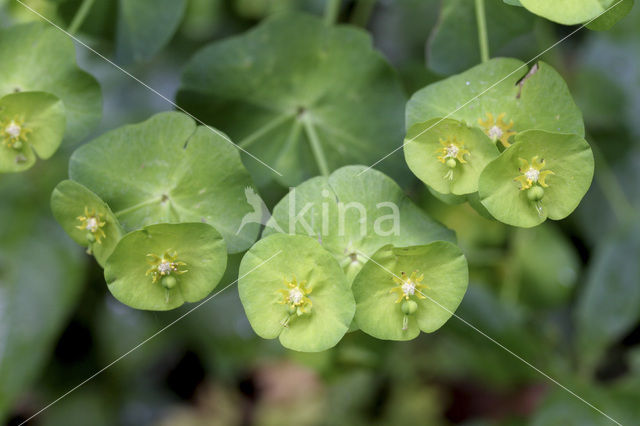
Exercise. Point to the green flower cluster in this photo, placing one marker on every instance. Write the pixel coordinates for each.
(512, 146)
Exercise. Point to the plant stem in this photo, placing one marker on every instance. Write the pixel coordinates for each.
(483, 38)
(331, 11)
(362, 12)
(80, 16)
(316, 147)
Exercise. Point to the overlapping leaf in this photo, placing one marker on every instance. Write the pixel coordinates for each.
(168, 170)
(303, 97)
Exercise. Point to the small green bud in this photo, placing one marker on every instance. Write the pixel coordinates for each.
(168, 282)
(451, 163)
(535, 193)
(292, 309)
(17, 145)
(90, 237)
(409, 307)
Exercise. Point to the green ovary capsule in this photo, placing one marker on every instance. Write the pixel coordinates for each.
(535, 193)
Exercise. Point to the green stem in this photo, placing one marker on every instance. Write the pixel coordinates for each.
(316, 147)
(362, 12)
(264, 130)
(483, 38)
(331, 11)
(80, 16)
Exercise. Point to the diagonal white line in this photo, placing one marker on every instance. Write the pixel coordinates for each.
(499, 344)
(176, 106)
(489, 88)
(146, 340)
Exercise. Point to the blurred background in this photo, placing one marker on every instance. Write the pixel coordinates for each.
(565, 296)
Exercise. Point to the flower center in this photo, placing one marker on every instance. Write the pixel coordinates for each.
(452, 151)
(495, 132)
(408, 288)
(13, 129)
(165, 267)
(92, 224)
(532, 174)
(295, 296)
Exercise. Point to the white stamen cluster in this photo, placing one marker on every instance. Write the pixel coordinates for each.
(452, 151)
(295, 296)
(408, 288)
(92, 224)
(165, 267)
(532, 174)
(13, 129)
(495, 132)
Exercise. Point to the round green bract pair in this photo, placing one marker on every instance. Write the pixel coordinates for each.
(298, 94)
(402, 291)
(168, 170)
(30, 123)
(86, 218)
(37, 57)
(541, 175)
(501, 98)
(448, 155)
(293, 289)
(160, 267)
(353, 212)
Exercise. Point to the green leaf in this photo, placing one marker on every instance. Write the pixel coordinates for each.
(607, 20)
(354, 210)
(425, 150)
(609, 304)
(568, 12)
(570, 159)
(298, 94)
(39, 57)
(41, 278)
(538, 99)
(146, 26)
(264, 271)
(168, 170)
(69, 202)
(198, 245)
(453, 45)
(39, 120)
(445, 279)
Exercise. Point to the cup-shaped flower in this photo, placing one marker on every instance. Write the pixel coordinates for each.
(86, 218)
(500, 97)
(448, 155)
(541, 175)
(428, 297)
(148, 268)
(310, 312)
(30, 123)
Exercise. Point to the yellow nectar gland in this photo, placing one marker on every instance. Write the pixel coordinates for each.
(295, 296)
(408, 286)
(92, 222)
(532, 173)
(497, 129)
(14, 133)
(165, 265)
